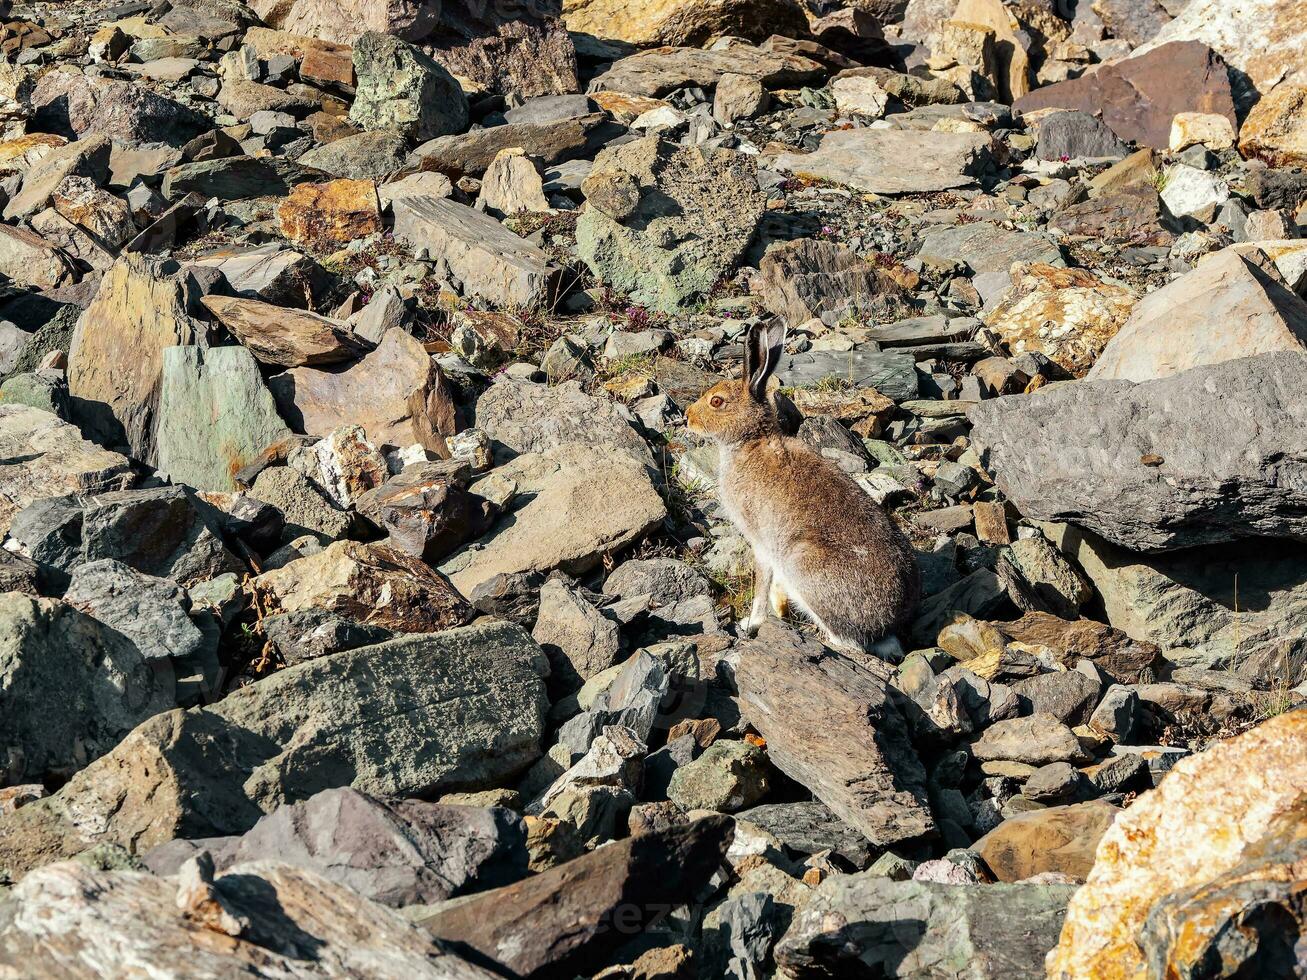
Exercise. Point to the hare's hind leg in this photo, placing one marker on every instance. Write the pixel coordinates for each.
(762, 592)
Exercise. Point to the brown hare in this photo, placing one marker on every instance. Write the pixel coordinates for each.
(818, 540)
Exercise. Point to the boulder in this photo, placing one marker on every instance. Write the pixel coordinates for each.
(325, 217)
(1059, 838)
(684, 22)
(81, 158)
(511, 184)
(361, 156)
(115, 364)
(70, 688)
(43, 456)
(812, 278)
(660, 71)
(1185, 603)
(462, 709)
(580, 640)
(1065, 314)
(984, 248)
(1178, 481)
(368, 583)
(215, 416)
(869, 925)
(302, 504)
(522, 417)
(871, 160)
(1274, 130)
(395, 852)
(153, 613)
(550, 142)
(163, 531)
(76, 105)
(345, 21)
(1036, 740)
(320, 929)
(426, 511)
(1215, 840)
(401, 89)
(563, 922)
(521, 51)
(859, 761)
(578, 504)
(665, 223)
(226, 178)
(810, 828)
(484, 257)
(1138, 97)
(29, 259)
(728, 776)
(1262, 40)
(1114, 652)
(397, 394)
(285, 337)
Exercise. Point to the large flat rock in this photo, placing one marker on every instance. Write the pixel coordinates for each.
(661, 70)
(463, 709)
(1213, 454)
(892, 161)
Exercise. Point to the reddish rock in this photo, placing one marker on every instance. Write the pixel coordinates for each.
(326, 216)
(1137, 98)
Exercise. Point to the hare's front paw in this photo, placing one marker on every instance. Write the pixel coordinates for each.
(750, 625)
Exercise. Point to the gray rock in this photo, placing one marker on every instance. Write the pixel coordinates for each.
(155, 614)
(1117, 714)
(892, 373)
(1050, 583)
(871, 160)
(460, 709)
(1036, 740)
(550, 143)
(523, 417)
(678, 594)
(984, 248)
(303, 505)
(581, 640)
(581, 502)
(486, 259)
(1079, 453)
(869, 925)
(363, 156)
(811, 828)
(1057, 782)
(215, 416)
(226, 178)
(162, 531)
(70, 688)
(1069, 696)
(642, 231)
(1076, 135)
(114, 914)
(550, 108)
(309, 633)
(399, 88)
(395, 852)
(659, 71)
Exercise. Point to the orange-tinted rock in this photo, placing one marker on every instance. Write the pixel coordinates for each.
(1059, 838)
(326, 216)
(282, 336)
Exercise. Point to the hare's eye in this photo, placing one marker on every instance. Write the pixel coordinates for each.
(716, 401)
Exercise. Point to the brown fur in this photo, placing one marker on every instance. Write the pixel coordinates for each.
(814, 532)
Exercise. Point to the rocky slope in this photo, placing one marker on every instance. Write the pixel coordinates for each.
(366, 609)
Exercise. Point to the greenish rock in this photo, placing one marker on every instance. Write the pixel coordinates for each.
(457, 710)
(867, 925)
(664, 223)
(363, 156)
(215, 416)
(890, 865)
(399, 88)
(55, 334)
(227, 178)
(729, 776)
(46, 390)
(70, 688)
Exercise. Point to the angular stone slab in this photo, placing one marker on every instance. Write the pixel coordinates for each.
(489, 260)
(858, 758)
(1209, 455)
(875, 160)
(215, 416)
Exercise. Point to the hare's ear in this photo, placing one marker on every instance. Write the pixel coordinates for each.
(762, 352)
